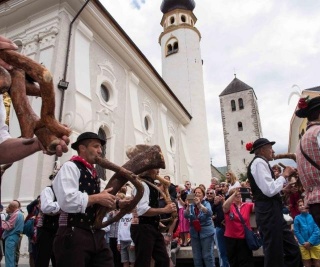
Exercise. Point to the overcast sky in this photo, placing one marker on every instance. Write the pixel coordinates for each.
(272, 45)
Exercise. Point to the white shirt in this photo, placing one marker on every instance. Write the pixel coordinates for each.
(262, 176)
(48, 205)
(4, 134)
(143, 204)
(124, 228)
(66, 188)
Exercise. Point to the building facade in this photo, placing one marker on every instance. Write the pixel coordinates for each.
(104, 83)
(241, 124)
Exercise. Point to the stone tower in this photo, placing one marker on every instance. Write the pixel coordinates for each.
(182, 71)
(241, 124)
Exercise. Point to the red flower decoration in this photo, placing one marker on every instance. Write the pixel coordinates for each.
(249, 146)
(303, 102)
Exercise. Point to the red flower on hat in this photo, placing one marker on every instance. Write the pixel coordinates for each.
(303, 102)
(249, 146)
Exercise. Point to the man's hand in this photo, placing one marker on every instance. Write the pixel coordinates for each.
(6, 44)
(61, 148)
(169, 208)
(104, 198)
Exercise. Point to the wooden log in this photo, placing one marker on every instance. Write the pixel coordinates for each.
(152, 158)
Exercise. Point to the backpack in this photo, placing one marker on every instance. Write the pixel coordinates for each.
(28, 228)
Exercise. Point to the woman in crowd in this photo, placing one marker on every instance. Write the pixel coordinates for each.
(232, 181)
(184, 225)
(201, 229)
(237, 249)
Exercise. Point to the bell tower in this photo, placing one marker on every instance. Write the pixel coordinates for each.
(241, 124)
(182, 71)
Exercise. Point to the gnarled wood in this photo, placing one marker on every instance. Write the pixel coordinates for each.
(152, 158)
(32, 124)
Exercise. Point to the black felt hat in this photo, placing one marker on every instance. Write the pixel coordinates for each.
(85, 136)
(306, 106)
(259, 143)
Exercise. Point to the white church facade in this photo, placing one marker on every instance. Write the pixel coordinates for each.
(105, 84)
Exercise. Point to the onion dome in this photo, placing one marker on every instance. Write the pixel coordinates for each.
(168, 5)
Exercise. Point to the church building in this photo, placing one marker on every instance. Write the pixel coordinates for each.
(105, 84)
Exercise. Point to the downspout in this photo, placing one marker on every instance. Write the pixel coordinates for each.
(63, 84)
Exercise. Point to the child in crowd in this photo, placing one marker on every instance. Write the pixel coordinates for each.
(125, 244)
(308, 235)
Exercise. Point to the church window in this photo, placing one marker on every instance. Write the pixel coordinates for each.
(175, 47)
(183, 18)
(240, 100)
(171, 20)
(146, 123)
(102, 171)
(172, 46)
(105, 93)
(233, 105)
(172, 143)
(240, 127)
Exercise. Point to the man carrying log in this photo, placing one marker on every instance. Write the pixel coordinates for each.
(14, 149)
(148, 240)
(77, 189)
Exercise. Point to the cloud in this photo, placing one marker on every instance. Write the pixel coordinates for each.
(137, 3)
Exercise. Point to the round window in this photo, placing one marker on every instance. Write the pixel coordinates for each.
(172, 143)
(146, 123)
(105, 93)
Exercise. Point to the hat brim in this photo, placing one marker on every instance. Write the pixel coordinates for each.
(272, 143)
(76, 144)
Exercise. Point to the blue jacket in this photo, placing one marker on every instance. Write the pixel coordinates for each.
(306, 230)
(207, 228)
(17, 225)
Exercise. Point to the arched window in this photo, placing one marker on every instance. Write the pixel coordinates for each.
(175, 47)
(101, 171)
(169, 49)
(240, 128)
(233, 105)
(183, 18)
(172, 46)
(171, 20)
(240, 101)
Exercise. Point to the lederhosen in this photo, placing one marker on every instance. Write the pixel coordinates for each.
(149, 242)
(279, 245)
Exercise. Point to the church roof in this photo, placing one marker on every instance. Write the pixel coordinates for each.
(235, 86)
(168, 5)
